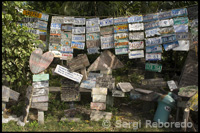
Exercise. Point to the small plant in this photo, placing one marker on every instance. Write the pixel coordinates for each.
(33, 124)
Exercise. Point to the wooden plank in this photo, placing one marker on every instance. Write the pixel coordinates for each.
(41, 92)
(66, 73)
(14, 95)
(5, 93)
(117, 93)
(40, 99)
(98, 115)
(143, 91)
(40, 106)
(99, 91)
(79, 62)
(99, 98)
(54, 89)
(125, 86)
(84, 73)
(98, 106)
(39, 62)
(40, 84)
(41, 77)
(105, 82)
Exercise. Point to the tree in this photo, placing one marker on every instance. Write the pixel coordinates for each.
(17, 45)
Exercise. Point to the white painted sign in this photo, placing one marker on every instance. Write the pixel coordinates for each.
(153, 56)
(136, 54)
(99, 91)
(136, 45)
(183, 45)
(78, 30)
(136, 36)
(68, 20)
(63, 71)
(40, 84)
(152, 32)
(106, 22)
(94, 22)
(107, 42)
(92, 29)
(79, 21)
(165, 23)
(136, 26)
(66, 56)
(135, 18)
(172, 85)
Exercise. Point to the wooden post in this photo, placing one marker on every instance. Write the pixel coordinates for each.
(185, 118)
(40, 117)
(84, 73)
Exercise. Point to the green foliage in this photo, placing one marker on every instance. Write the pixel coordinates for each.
(17, 45)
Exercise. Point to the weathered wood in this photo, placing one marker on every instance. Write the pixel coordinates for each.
(143, 91)
(41, 77)
(105, 61)
(3, 106)
(38, 62)
(185, 118)
(125, 86)
(153, 83)
(99, 98)
(105, 81)
(41, 92)
(117, 93)
(40, 84)
(68, 95)
(14, 95)
(40, 117)
(54, 89)
(97, 106)
(40, 106)
(84, 73)
(40, 99)
(5, 93)
(98, 115)
(99, 91)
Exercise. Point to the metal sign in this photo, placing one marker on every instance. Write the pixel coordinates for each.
(166, 22)
(81, 61)
(120, 36)
(94, 22)
(69, 95)
(182, 36)
(136, 26)
(29, 19)
(92, 29)
(121, 50)
(93, 36)
(181, 28)
(65, 42)
(66, 35)
(41, 77)
(105, 61)
(120, 20)
(79, 21)
(66, 49)
(66, 73)
(99, 91)
(107, 42)
(153, 56)
(57, 19)
(93, 43)
(78, 30)
(153, 41)
(136, 45)
(135, 18)
(88, 84)
(167, 30)
(98, 106)
(99, 98)
(54, 46)
(193, 12)
(121, 28)
(117, 93)
(180, 20)
(164, 15)
(93, 50)
(40, 84)
(54, 39)
(66, 56)
(136, 36)
(170, 45)
(55, 32)
(169, 38)
(172, 85)
(125, 86)
(153, 67)
(68, 20)
(179, 12)
(66, 27)
(78, 38)
(45, 17)
(151, 25)
(32, 13)
(152, 32)
(136, 54)
(150, 17)
(121, 42)
(34, 31)
(42, 25)
(184, 45)
(77, 45)
(107, 30)
(154, 49)
(39, 62)
(106, 22)
(55, 26)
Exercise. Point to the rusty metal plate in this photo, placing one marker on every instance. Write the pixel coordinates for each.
(38, 62)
